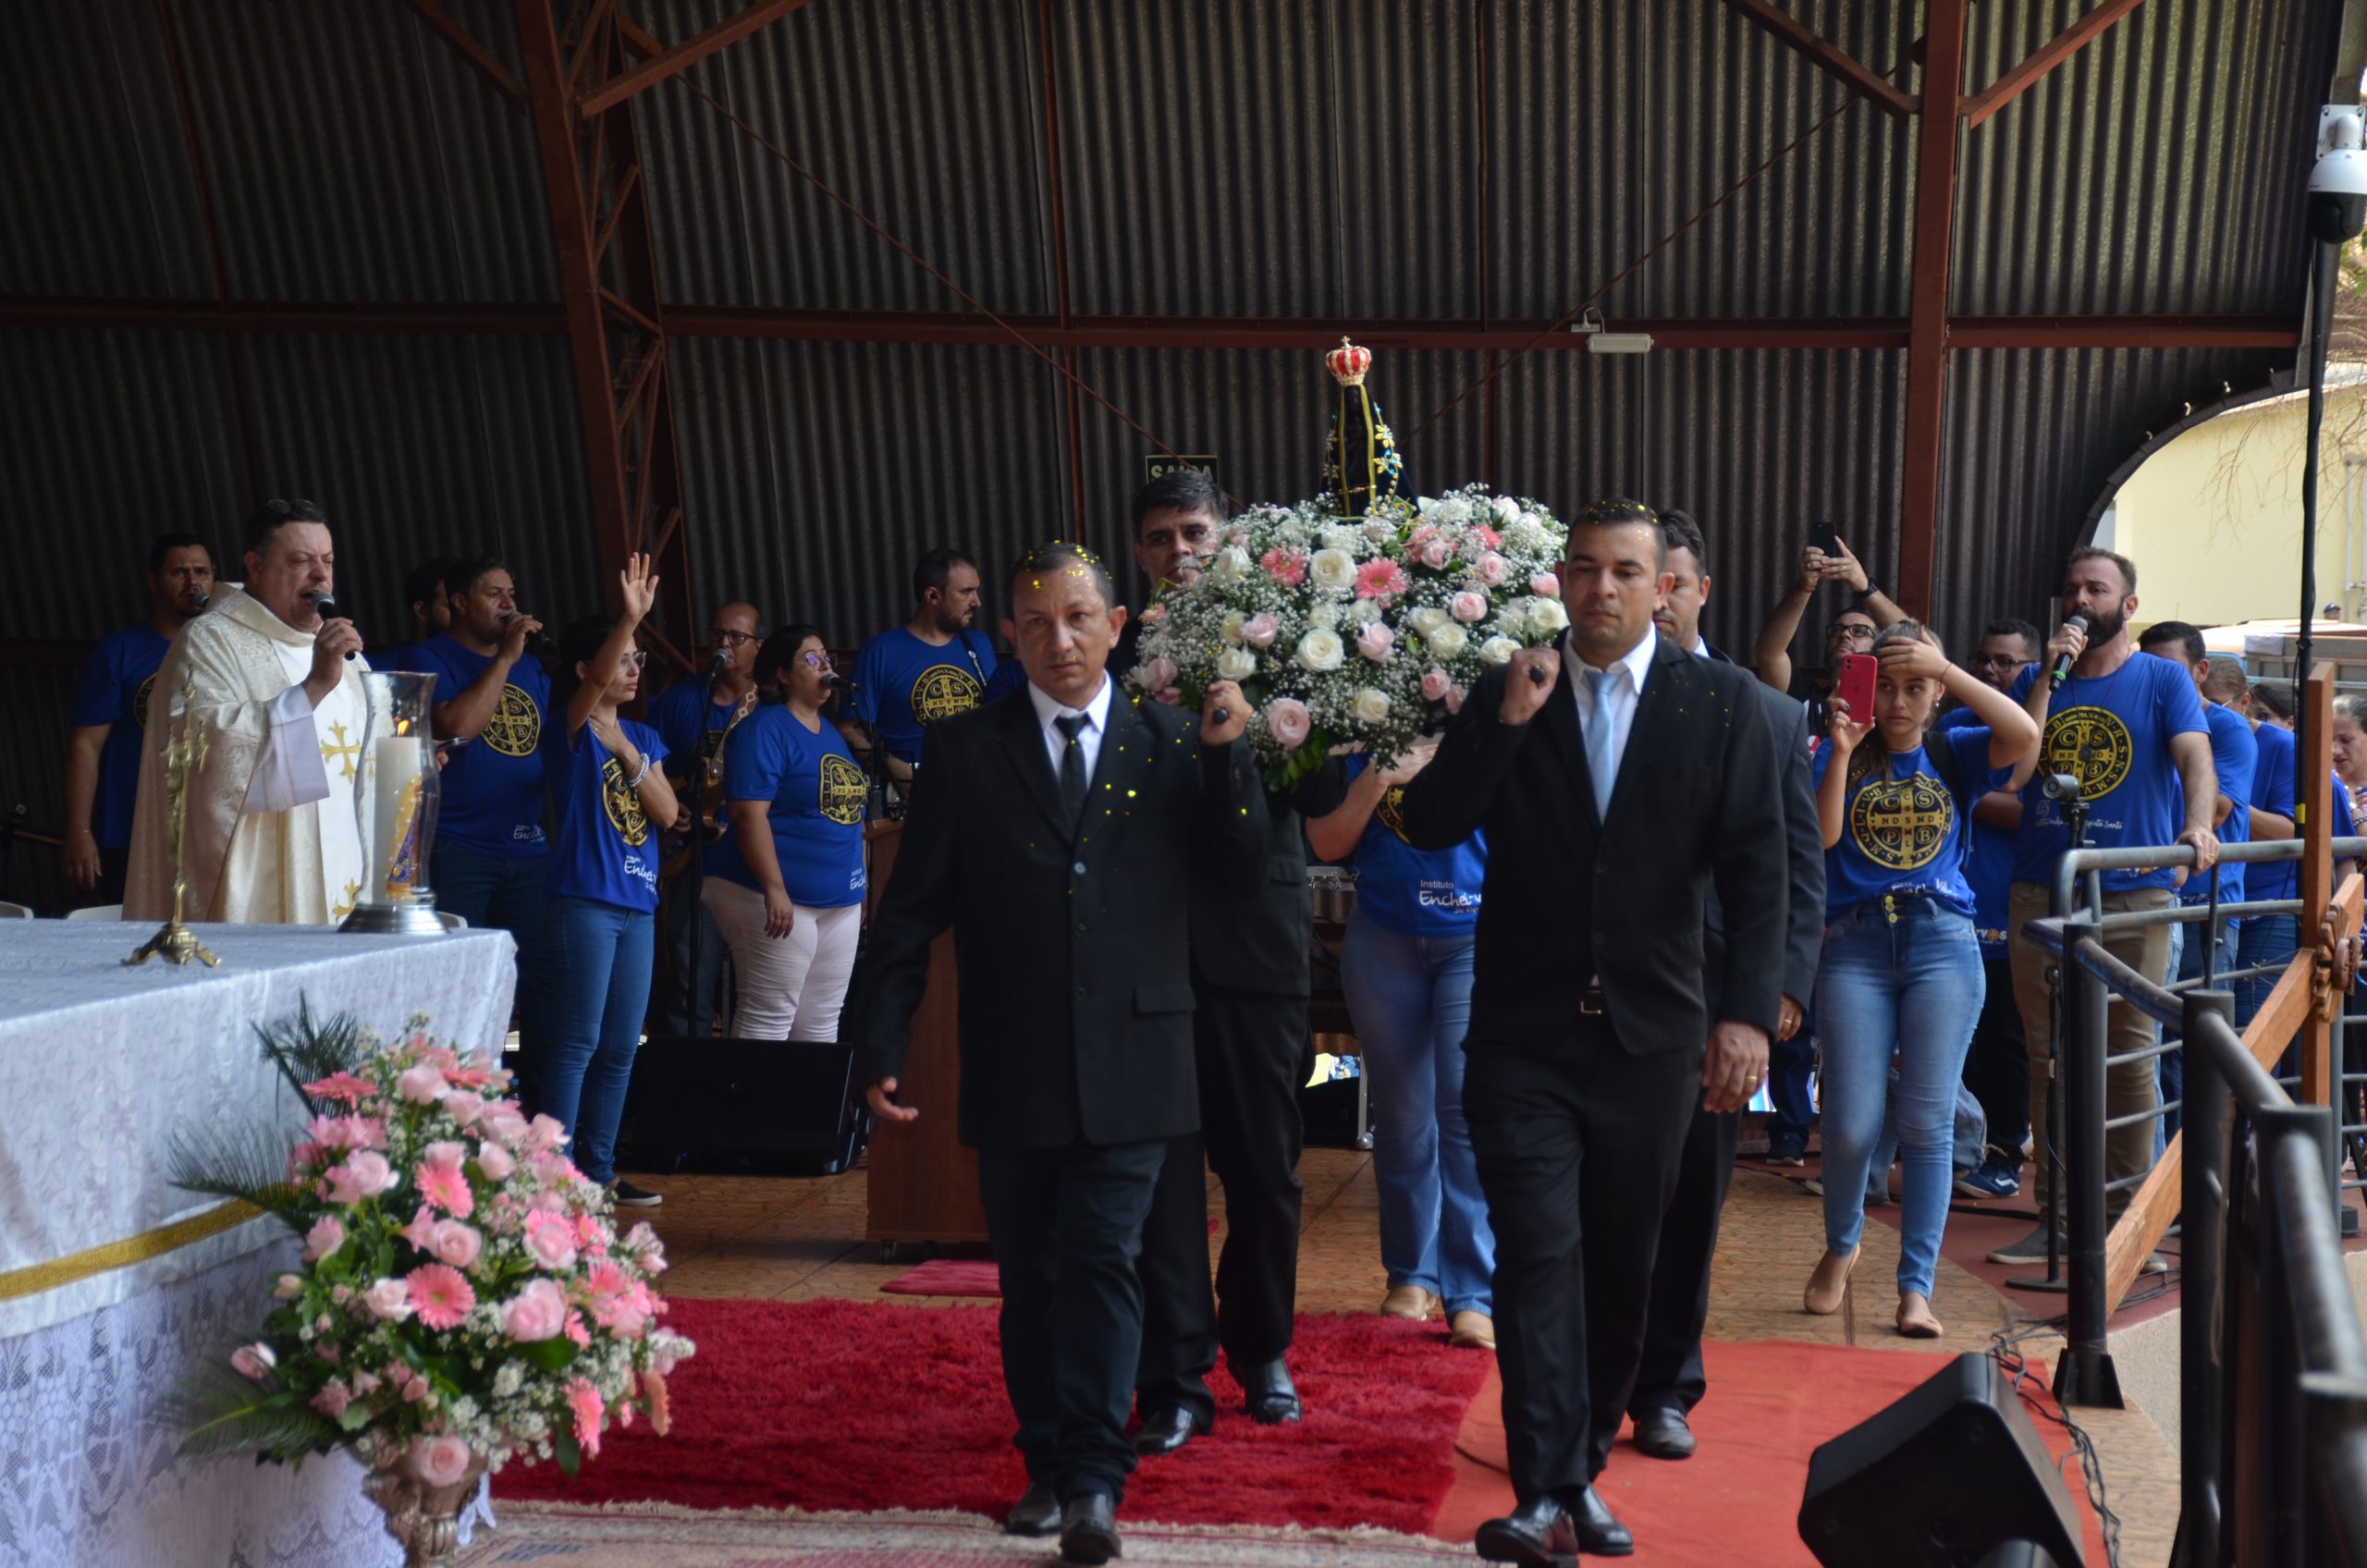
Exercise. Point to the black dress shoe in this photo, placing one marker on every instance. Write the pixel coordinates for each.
(1538, 1534)
(1168, 1430)
(1663, 1434)
(1599, 1534)
(1273, 1398)
(1089, 1529)
(1038, 1514)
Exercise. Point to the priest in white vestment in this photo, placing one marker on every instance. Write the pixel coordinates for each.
(272, 837)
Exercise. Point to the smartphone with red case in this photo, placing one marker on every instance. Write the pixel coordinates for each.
(1854, 685)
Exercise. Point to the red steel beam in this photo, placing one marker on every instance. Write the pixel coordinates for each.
(442, 23)
(2064, 44)
(1927, 319)
(681, 57)
(2266, 332)
(1810, 45)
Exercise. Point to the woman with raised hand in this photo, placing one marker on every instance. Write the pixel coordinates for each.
(1901, 976)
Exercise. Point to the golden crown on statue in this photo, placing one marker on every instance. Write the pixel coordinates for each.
(1348, 363)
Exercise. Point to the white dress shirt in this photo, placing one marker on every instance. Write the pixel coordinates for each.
(1625, 692)
(1097, 713)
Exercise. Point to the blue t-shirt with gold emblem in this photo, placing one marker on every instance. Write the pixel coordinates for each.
(1412, 892)
(903, 685)
(1903, 829)
(817, 794)
(116, 685)
(493, 785)
(606, 848)
(2113, 733)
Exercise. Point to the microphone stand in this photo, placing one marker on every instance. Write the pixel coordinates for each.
(694, 875)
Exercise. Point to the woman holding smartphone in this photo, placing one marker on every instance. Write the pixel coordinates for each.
(1901, 976)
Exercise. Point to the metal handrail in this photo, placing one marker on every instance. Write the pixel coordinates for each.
(2078, 862)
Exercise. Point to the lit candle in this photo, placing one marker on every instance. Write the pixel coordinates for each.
(401, 761)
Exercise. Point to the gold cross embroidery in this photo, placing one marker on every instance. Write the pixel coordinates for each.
(340, 753)
(352, 891)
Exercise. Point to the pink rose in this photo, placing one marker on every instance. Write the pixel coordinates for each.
(364, 1384)
(536, 1313)
(1158, 675)
(495, 1162)
(421, 1229)
(551, 1238)
(254, 1361)
(1152, 615)
(1494, 570)
(332, 1400)
(289, 1287)
(1468, 607)
(463, 1106)
(326, 1235)
(1435, 683)
(1545, 585)
(372, 1174)
(544, 1133)
(501, 1119)
(1455, 699)
(388, 1299)
(441, 1461)
(1288, 721)
(1435, 552)
(1375, 641)
(455, 1244)
(1259, 630)
(421, 1085)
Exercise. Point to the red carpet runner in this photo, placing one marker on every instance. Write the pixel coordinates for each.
(838, 1405)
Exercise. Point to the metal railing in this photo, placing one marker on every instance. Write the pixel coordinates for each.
(2273, 1425)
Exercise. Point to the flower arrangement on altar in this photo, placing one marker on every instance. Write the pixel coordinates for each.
(462, 1297)
(1358, 619)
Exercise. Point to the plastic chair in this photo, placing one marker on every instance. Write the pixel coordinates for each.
(14, 911)
(96, 912)
(452, 922)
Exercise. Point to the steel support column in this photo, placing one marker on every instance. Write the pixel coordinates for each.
(616, 318)
(1927, 319)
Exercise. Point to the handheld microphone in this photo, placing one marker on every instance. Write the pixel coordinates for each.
(2061, 670)
(325, 605)
(833, 681)
(202, 598)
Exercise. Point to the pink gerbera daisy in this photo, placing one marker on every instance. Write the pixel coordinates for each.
(342, 1086)
(589, 1408)
(440, 1296)
(444, 1183)
(1379, 580)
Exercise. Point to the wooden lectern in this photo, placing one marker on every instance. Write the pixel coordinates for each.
(923, 1185)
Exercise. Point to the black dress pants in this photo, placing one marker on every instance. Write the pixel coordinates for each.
(1253, 1057)
(1066, 1225)
(1669, 1376)
(1578, 1152)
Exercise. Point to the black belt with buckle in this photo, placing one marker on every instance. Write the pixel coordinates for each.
(1590, 1004)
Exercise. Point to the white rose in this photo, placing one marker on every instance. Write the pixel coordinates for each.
(1324, 612)
(1231, 631)
(1232, 564)
(1546, 616)
(1320, 650)
(1334, 570)
(1236, 664)
(1499, 650)
(1446, 639)
(1507, 508)
(1368, 706)
(1426, 619)
(1363, 612)
(1512, 619)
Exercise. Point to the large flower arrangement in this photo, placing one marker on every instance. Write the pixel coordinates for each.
(462, 1297)
(1357, 632)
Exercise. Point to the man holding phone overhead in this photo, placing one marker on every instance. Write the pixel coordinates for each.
(1826, 560)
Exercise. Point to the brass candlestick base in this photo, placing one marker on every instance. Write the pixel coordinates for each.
(175, 943)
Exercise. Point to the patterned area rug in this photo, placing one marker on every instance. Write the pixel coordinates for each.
(655, 1535)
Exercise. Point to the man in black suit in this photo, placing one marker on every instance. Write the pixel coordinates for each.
(1610, 807)
(1249, 975)
(1669, 1380)
(1058, 838)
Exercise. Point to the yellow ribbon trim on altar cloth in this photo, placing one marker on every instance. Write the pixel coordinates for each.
(76, 1266)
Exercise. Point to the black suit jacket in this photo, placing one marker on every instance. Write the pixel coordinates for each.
(1788, 727)
(1566, 896)
(1077, 992)
(1260, 941)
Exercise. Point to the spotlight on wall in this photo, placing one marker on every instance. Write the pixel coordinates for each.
(1620, 343)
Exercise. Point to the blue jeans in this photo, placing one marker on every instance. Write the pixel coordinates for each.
(600, 959)
(505, 895)
(1903, 981)
(1790, 1063)
(1968, 1132)
(2265, 938)
(1410, 997)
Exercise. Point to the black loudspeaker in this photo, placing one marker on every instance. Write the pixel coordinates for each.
(1952, 1473)
(768, 1106)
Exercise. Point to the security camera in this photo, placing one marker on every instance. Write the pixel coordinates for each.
(2061, 787)
(2339, 179)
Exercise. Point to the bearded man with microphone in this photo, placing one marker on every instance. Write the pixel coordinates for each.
(272, 677)
(2131, 729)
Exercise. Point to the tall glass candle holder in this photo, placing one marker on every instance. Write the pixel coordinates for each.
(396, 807)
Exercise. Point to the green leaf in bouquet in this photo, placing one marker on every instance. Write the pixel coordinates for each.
(307, 1050)
(218, 1413)
(249, 1163)
(549, 1355)
(356, 1416)
(570, 1455)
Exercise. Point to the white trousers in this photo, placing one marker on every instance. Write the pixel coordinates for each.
(789, 987)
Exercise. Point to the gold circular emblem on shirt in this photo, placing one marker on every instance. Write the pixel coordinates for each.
(622, 805)
(139, 702)
(1391, 811)
(2090, 743)
(516, 727)
(941, 691)
(1900, 824)
(843, 789)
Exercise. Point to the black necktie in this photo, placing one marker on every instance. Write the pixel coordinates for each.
(1072, 783)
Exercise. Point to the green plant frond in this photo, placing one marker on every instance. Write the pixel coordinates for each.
(218, 1413)
(306, 1050)
(248, 1162)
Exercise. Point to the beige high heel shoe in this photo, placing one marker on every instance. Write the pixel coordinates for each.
(1829, 1283)
(1915, 1319)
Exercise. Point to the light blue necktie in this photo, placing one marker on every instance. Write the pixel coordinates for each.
(1602, 764)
